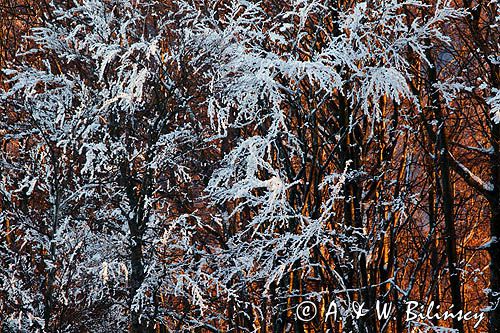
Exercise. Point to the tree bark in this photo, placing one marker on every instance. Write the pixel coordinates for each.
(447, 196)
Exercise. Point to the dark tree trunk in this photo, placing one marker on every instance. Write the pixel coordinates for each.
(136, 279)
(447, 198)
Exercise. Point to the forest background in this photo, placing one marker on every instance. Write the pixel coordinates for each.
(206, 166)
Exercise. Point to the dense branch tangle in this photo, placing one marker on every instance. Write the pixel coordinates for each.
(207, 166)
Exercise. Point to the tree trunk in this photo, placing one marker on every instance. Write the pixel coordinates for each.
(447, 198)
(136, 279)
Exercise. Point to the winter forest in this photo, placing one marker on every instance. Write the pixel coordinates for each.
(249, 166)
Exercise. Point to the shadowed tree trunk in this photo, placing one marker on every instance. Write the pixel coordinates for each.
(447, 195)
